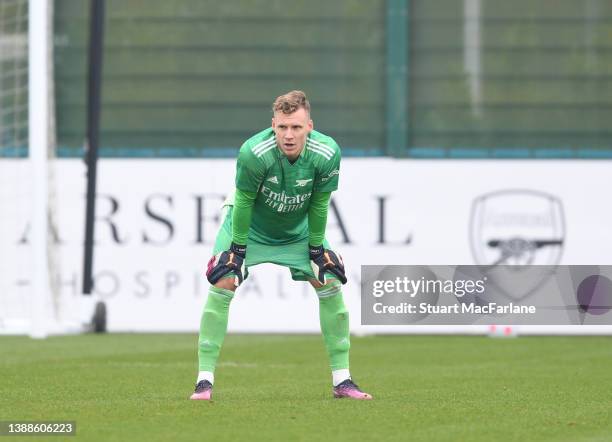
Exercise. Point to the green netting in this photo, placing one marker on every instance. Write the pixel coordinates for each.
(195, 78)
(542, 83)
(199, 77)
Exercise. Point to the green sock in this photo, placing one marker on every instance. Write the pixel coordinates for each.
(213, 327)
(334, 318)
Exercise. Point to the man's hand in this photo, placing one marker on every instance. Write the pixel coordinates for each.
(325, 260)
(231, 260)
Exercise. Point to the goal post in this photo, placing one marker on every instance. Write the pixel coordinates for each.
(30, 300)
(39, 136)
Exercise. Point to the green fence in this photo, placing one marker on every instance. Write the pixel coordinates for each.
(195, 78)
(405, 78)
(520, 78)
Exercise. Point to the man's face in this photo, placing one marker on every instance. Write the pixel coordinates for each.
(291, 131)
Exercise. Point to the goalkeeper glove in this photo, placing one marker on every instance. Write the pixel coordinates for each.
(231, 260)
(325, 260)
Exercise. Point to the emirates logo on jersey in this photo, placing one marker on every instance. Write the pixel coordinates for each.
(281, 202)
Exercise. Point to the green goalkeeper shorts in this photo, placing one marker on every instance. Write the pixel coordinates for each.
(293, 255)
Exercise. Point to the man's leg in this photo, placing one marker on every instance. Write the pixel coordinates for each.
(213, 327)
(334, 319)
(213, 324)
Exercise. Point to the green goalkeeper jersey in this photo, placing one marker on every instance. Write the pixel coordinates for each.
(284, 189)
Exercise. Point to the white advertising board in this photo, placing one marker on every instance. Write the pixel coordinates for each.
(157, 219)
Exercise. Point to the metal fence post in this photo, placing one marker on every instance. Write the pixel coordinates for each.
(396, 118)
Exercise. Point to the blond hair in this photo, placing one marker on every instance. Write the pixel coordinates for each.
(291, 102)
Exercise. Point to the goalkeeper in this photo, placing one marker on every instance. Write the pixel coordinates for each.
(284, 179)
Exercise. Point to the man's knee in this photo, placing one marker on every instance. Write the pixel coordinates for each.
(330, 288)
(315, 283)
(331, 282)
(226, 283)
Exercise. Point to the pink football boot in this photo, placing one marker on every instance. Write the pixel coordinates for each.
(203, 391)
(349, 389)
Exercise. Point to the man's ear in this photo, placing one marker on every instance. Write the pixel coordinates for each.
(273, 123)
(310, 125)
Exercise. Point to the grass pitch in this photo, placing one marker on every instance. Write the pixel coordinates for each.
(126, 387)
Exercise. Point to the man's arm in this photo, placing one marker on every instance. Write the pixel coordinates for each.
(317, 217)
(249, 175)
(241, 216)
(322, 260)
(326, 181)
